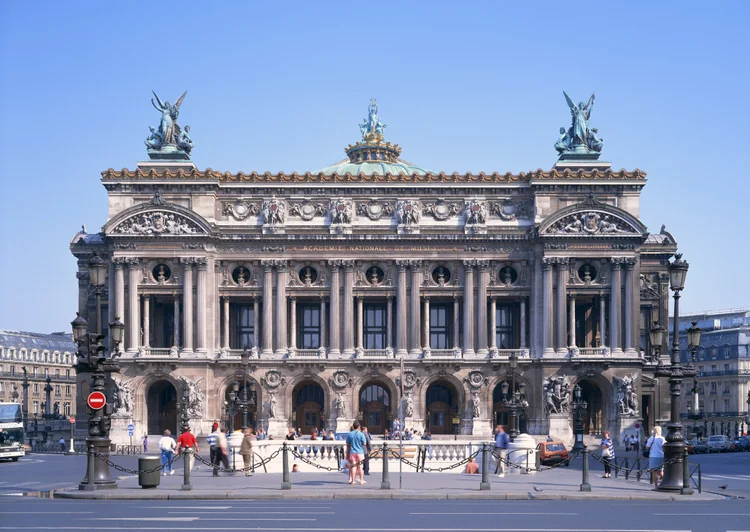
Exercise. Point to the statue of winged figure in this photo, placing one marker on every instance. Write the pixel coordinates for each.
(579, 137)
(169, 132)
(372, 123)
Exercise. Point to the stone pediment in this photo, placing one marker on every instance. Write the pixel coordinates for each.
(157, 218)
(592, 218)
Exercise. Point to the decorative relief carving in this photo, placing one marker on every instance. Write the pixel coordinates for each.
(509, 210)
(441, 209)
(410, 379)
(375, 209)
(341, 211)
(650, 286)
(125, 245)
(340, 379)
(307, 276)
(157, 223)
(409, 212)
(591, 223)
(307, 210)
(193, 245)
(273, 379)
(476, 212)
(240, 209)
(274, 212)
(557, 396)
(476, 379)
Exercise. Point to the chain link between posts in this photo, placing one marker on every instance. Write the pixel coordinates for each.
(113, 465)
(249, 469)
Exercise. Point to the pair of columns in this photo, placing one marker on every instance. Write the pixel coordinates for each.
(555, 307)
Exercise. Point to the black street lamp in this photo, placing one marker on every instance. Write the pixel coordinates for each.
(233, 396)
(185, 408)
(579, 410)
(93, 360)
(25, 386)
(97, 278)
(245, 357)
(514, 400)
(47, 391)
(675, 448)
(694, 340)
(656, 336)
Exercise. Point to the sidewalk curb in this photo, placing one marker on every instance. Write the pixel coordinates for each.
(366, 495)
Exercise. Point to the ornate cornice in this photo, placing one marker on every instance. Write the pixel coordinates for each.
(307, 177)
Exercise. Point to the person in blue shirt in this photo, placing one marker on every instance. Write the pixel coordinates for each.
(355, 451)
(501, 449)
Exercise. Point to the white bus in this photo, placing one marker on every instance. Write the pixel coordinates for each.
(11, 431)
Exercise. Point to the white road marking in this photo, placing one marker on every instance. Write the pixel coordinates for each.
(36, 512)
(256, 512)
(492, 513)
(181, 519)
(25, 484)
(720, 514)
(189, 507)
(381, 529)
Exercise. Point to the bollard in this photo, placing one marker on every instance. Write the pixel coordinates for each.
(285, 483)
(686, 489)
(90, 486)
(186, 462)
(385, 484)
(485, 484)
(585, 486)
(627, 469)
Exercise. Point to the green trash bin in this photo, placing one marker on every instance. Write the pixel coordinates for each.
(147, 478)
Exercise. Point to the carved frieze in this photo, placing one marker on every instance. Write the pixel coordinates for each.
(591, 223)
(475, 211)
(341, 211)
(274, 212)
(510, 210)
(340, 380)
(409, 212)
(650, 286)
(476, 379)
(410, 379)
(307, 210)
(240, 209)
(157, 223)
(441, 209)
(273, 379)
(375, 209)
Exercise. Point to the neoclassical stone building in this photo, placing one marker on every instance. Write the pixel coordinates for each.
(330, 279)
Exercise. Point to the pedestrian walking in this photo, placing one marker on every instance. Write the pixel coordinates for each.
(246, 450)
(167, 447)
(221, 455)
(633, 443)
(145, 443)
(656, 456)
(62, 445)
(607, 447)
(211, 441)
(368, 450)
(355, 451)
(501, 449)
(186, 441)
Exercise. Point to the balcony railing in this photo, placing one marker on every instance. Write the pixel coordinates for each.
(589, 351)
(505, 353)
(377, 353)
(307, 353)
(156, 352)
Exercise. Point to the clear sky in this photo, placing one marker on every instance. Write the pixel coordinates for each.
(282, 86)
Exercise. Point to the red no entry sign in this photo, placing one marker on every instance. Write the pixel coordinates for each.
(96, 400)
(72, 419)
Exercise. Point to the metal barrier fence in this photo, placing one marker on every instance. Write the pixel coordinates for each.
(56, 448)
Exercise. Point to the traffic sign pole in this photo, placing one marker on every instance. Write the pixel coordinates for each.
(72, 449)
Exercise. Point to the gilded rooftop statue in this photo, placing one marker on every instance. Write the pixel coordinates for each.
(169, 141)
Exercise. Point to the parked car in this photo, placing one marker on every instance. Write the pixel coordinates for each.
(700, 446)
(552, 452)
(741, 444)
(690, 446)
(719, 443)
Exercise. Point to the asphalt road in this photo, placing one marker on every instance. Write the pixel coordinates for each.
(28, 514)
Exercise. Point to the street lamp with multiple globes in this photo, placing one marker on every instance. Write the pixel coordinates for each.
(93, 360)
(514, 400)
(694, 340)
(233, 401)
(675, 448)
(579, 410)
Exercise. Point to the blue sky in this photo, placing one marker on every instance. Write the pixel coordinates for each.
(281, 86)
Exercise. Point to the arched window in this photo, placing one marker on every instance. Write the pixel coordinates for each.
(310, 393)
(439, 393)
(374, 393)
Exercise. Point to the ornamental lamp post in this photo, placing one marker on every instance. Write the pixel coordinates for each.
(97, 278)
(675, 448)
(244, 356)
(48, 393)
(579, 409)
(694, 340)
(656, 336)
(233, 404)
(513, 399)
(93, 360)
(25, 386)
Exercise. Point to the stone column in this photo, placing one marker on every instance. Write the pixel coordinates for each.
(267, 337)
(146, 320)
(83, 290)
(401, 310)
(469, 308)
(630, 263)
(335, 306)
(119, 289)
(360, 323)
(426, 321)
(293, 324)
(256, 321)
(614, 306)
(572, 314)
(187, 304)
(323, 330)
(493, 323)
(523, 323)
(547, 325)
(226, 343)
(201, 321)
(484, 275)
(282, 272)
(456, 310)
(176, 321)
(348, 308)
(562, 282)
(134, 322)
(389, 322)
(414, 312)
(602, 321)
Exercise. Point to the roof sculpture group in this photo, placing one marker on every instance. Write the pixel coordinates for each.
(169, 141)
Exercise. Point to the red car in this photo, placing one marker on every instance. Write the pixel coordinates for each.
(552, 452)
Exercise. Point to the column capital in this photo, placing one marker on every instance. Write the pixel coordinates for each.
(335, 264)
(414, 263)
(348, 265)
(119, 262)
(630, 262)
(292, 298)
(547, 263)
(493, 299)
(616, 262)
(267, 265)
(426, 298)
(483, 265)
(389, 297)
(562, 261)
(469, 264)
(187, 262)
(132, 262)
(202, 263)
(402, 264)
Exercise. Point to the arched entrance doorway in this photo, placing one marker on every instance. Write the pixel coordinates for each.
(308, 405)
(161, 405)
(375, 407)
(442, 406)
(501, 413)
(236, 402)
(594, 419)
